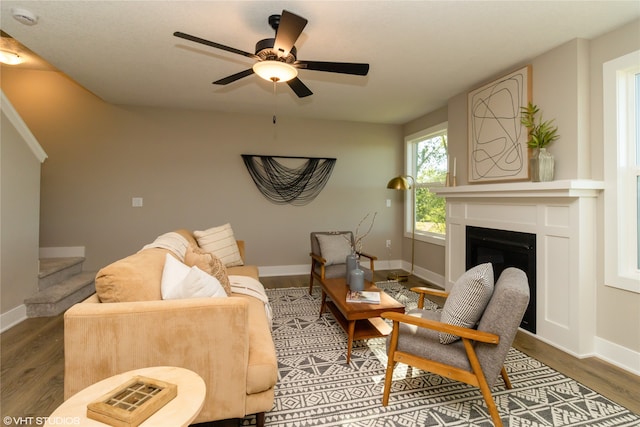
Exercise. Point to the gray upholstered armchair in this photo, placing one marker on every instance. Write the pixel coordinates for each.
(329, 250)
(477, 357)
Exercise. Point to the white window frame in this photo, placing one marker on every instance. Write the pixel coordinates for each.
(621, 171)
(410, 140)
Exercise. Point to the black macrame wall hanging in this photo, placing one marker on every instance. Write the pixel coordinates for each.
(293, 185)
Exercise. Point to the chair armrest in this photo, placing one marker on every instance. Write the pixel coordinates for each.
(430, 291)
(371, 257)
(317, 258)
(472, 334)
(209, 336)
(422, 291)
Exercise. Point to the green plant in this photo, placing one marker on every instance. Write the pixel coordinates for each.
(541, 133)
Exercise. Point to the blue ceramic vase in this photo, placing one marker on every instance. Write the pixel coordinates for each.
(356, 279)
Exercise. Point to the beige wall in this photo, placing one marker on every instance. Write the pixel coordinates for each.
(187, 167)
(19, 217)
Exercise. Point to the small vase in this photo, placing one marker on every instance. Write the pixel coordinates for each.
(356, 279)
(542, 165)
(352, 263)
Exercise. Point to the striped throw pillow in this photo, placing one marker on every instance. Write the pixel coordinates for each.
(467, 300)
(221, 242)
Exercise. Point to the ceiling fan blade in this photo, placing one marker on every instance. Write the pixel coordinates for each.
(289, 29)
(334, 67)
(232, 78)
(299, 88)
(214, 44)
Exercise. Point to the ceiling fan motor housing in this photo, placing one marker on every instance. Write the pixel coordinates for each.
(264, 49)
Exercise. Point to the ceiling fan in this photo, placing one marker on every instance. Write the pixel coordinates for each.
(277, 61)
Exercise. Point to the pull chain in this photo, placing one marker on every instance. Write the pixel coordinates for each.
(275, 101)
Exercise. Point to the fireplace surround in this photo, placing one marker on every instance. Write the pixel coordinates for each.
(562, 217)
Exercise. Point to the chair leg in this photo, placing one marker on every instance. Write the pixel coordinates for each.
(491, 405)
(260, 419)
(482, 382)
(388, 377)
(505, 378)
(311, 282)
(387, 382)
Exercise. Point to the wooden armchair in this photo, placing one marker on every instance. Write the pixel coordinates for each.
(332, 263)
(478, 357)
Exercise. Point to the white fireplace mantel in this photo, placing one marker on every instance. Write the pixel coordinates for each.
(562, 215)
(569, 188)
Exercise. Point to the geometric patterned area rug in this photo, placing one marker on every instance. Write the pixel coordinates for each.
(316, 387)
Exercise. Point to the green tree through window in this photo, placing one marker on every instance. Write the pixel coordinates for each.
(428, 164)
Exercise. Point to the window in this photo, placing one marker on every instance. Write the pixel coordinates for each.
(427, 160)
(621, 96)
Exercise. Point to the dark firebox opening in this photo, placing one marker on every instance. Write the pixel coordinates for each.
(505, 249)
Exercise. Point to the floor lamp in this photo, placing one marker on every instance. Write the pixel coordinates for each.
(402, 183)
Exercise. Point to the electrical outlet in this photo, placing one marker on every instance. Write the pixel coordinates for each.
(388, 203)
(137, 202)
(388, 243)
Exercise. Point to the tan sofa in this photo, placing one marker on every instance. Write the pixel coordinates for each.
(227, 341)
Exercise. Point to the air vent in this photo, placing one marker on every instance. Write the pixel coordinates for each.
(24, 16)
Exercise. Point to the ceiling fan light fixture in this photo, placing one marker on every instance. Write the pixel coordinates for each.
(9, 58)
(275, 71)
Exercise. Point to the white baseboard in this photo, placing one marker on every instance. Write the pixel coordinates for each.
(427, 275)
(13, 317)
(284, 270)
(618, 355)
(62, 252)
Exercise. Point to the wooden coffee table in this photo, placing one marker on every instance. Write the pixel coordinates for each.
(359, 320)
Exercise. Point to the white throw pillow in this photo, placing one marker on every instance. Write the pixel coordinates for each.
(180, 281)
(467, 300)
(334, 247)
(221, 242)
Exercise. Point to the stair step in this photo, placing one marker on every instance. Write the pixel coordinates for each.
(59, 297)
(56, 270)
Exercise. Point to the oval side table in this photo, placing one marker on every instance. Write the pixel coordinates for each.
(180, 411)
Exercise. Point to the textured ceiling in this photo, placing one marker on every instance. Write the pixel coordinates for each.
(421, 52)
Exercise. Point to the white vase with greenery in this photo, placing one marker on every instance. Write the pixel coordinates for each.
(541, 134)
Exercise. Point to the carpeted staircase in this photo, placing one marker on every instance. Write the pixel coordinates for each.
(62, 283)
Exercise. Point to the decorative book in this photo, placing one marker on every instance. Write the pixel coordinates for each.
(132, 402)
(367, 297)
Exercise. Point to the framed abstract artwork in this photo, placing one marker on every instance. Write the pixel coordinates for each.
(497, 140)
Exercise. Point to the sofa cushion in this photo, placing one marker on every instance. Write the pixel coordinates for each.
(134, 278)
(334, 248)
(221, 242)
(180, 281)
(467, 300)
(208, 263)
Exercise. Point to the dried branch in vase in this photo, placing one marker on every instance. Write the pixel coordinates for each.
(357, 242)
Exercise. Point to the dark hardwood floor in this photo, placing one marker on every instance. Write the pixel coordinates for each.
(32, 363)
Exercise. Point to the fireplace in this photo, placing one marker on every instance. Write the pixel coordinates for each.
(562, 217)
(505, 249)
